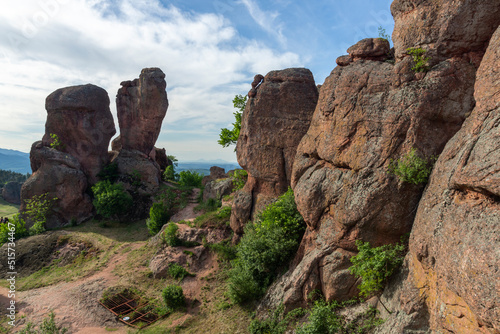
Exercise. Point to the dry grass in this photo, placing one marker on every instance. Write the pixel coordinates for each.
(7, 210)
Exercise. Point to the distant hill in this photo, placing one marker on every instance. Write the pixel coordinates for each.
(203, 166)
(15, 161)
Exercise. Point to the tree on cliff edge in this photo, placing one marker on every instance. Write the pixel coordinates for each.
(230, 137)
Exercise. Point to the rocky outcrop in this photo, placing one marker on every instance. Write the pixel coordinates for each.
(61, 176)
(217, 189)
(11, 192)
(159, 155)
(454, 247)
(141, 105)
(80, 118)
(276, 116)
(215, 174)
(136, 167)
(368, 113)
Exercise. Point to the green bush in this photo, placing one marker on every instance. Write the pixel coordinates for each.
(224, 249)
(190, 178)
(421, 62)
(277, 322)
(173, 297)
(109, 173)
(13, 231)
(170, 235)
(240, 177)
(411, 168)
(48, 326)
(170, 175)
(322, 320)
(265, 249)
(37, 210)
(212, 204)
(230, 136)
(56, 142)
(177, 271)
(375, 265)
(159, 214)
(111, 199)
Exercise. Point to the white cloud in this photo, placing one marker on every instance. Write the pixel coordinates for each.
(48, 44)
(266, 20)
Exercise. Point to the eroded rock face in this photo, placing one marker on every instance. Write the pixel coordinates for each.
(11, 192)
(138, 167)
(454, 247)
(141, 105)
(275, 119)
(447, 29)
(61, 176)
(215, 173)
(368, 113)
(81, 119)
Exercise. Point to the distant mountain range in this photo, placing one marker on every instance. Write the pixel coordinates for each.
(19, 162)
(15, 161)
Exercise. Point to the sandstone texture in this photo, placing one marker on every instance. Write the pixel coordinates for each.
(273, 122)
(215, 174)
(460, 28)
(81, 119)
(61, 176)
(455, 246)
(11, 192)
(368, 48)
(135, 166)
(141, 105)
(217, 189)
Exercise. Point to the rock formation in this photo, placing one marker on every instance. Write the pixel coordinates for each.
(141, 105)
(454, 247)
(11, 192)
(80, 118)
(215, 173)
(369, 112)
(276, 116)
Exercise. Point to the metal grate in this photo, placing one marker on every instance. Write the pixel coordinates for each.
(130, 310)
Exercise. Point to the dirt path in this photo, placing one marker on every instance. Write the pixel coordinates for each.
(76, 303)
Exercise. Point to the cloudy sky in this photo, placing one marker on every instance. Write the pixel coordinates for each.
(209, 49)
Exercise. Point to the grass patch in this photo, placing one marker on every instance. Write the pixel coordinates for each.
(214, 219)
(120, 232)
(7, 209)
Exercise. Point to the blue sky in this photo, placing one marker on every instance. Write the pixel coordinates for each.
(209, 50)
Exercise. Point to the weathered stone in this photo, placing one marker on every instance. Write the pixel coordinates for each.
(370, 48)
(273, 123)
(215, 173)
(141, 105)
(136, 164)
(80, 117)
(59, 175)
(342, 61)
(460, 28)
(159, 155)
(217, 189)
(11, 192)
(454, 247)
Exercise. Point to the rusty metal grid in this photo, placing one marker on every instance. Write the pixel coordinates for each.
(130, 306)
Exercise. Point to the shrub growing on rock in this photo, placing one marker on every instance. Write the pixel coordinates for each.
(419, 59)
(159, 214)
(240, 177)
(411, 168)
(265, 249)
(111, 199)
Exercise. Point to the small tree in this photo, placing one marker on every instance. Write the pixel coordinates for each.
(111, 199)
(158, 216)
(230, 137)
(411, 168)
(37, 211)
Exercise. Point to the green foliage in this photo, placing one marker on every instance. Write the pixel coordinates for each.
(109, 173)
(13, 231)
(135, 178)
(173, 297)
(173, 159)
(421, 62)
(229, 137)
(8, 176)
(240, 177)
(277, 322)
(266, 247)
(382, 34)
(224, 249)
(159, 214)
(177, 271)
(56, 142)
(212, 204)
(324, 318)
(170, 175)
(411, 168)
(375, 265)
(48, 326)
(170, 235)
(190, 178)
(111, 199)
(37, 210)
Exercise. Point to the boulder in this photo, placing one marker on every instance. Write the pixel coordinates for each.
(159, 155)
(367, 114)
(368, 48)
(454, 247)
(136, 167)
(11, 192)
(217, 189)
(81, 119)
(141, 106)
(61, 176)
(215, 174)
(273, 122)
(459, 28)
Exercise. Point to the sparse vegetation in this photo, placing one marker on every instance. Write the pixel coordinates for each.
(56, 142)
(421, 62)
(229, 137)
(173, 296)
(265, 249)
(375, 265)
(37, 210)
(240, 177)
(383, 35)
(48, 326)
(411, 168)
(177, 271)
(110, 199)
(277, 322)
